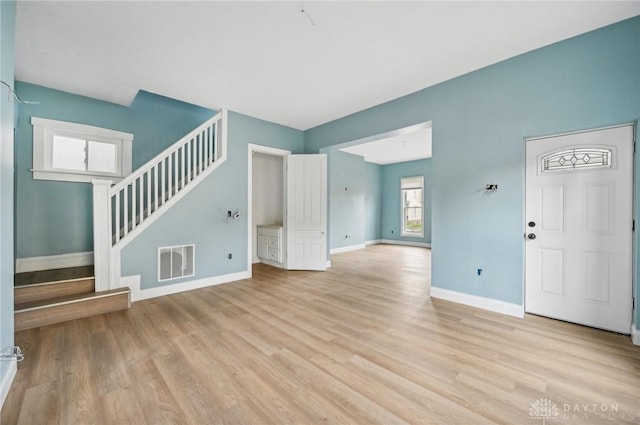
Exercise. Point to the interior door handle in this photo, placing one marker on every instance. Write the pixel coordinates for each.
(531, 236)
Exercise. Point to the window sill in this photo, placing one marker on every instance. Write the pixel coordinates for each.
(412, 235)
(72, 177)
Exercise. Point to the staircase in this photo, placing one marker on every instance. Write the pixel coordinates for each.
(52, 296)
(120, 213)
(123, 211)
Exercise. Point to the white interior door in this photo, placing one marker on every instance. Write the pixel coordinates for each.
(307, 212)
(579, 227)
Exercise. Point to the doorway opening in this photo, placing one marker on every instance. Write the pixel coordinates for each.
(368, 201)
(288, 224)
(266, 205)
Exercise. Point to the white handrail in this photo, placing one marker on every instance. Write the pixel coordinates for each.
(156, 159)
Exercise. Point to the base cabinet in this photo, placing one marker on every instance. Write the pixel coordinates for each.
(270, 244)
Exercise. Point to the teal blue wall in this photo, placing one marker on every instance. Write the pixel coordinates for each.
(364, 199)
(479, 123)
(7, 29)
(200, 217)
(391, 199)
(56, 217)
(346, 199)
(372, 188)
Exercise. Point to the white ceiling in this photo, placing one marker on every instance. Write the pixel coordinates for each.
(397, 148)
(267, 60)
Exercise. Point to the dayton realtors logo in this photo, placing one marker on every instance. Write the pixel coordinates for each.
(544, 409)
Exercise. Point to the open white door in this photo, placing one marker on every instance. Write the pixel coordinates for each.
(306, 212)
(579, 197)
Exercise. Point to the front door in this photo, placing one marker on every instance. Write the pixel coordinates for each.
(578, 227)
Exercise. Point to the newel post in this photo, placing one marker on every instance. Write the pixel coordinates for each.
(102, 234)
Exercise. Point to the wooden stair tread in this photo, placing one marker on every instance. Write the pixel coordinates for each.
(54, 282)
(49, 290)
(43, 276)
(68, 299)
(56, 310)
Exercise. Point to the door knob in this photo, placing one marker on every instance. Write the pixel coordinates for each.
(531, 236)
(532, 224)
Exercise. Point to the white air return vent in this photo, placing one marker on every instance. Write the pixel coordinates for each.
(175, 262)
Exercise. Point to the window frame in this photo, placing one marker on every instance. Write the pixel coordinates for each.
(44, 131)
(403, 231)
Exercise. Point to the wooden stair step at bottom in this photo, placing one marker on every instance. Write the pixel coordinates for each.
(50, 290)
(53, 275)
(47, 312)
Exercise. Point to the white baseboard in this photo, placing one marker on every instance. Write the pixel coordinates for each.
(405, 243)
(479, 302)
(346, 249)
(378, 241)
(7, 380)
(49, 262)
(635, 335)
(138, 294)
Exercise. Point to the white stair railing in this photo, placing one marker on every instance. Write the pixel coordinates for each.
(123, 211)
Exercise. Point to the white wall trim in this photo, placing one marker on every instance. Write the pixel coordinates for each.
(62, 176)
(373, 242)
(346, 248)
(76, 259)
(490, 304)
(635, 335)
(82, 128)
(7, 380)
(405, 243)
(268, 150)
(138, 294)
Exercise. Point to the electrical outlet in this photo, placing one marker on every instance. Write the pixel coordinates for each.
(229, 256)
(479, 271)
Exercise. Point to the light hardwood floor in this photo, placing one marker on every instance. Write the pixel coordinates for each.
(359, 344)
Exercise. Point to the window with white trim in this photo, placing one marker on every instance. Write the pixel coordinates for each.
(412, 190)
(74, 152)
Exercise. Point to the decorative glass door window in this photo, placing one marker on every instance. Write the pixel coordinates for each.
(570, 159)
(412, 194)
